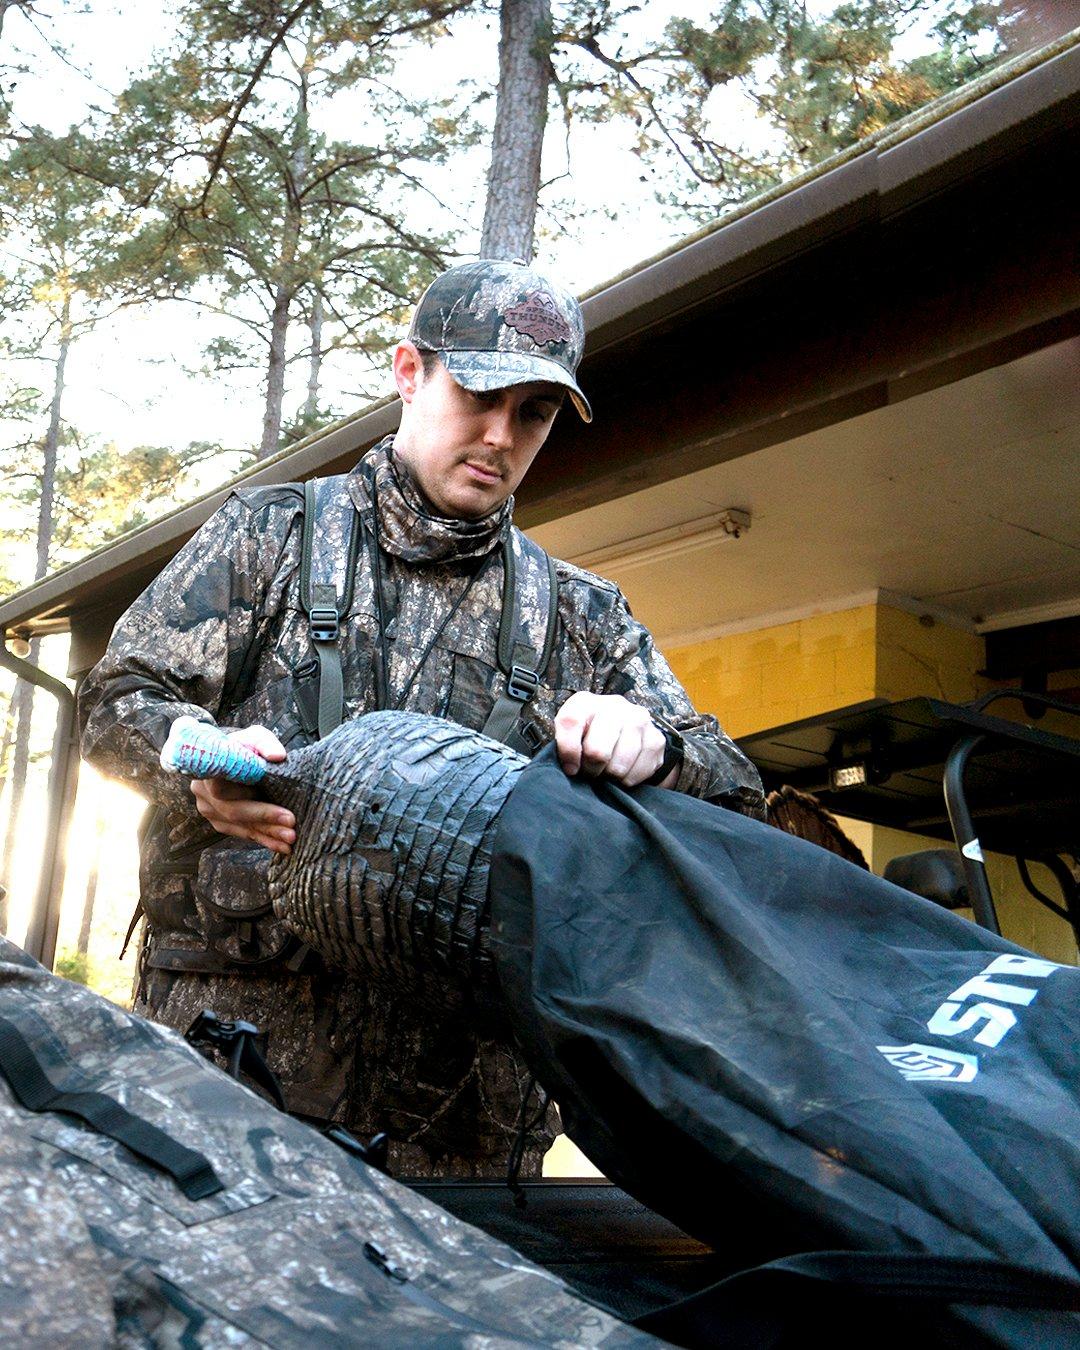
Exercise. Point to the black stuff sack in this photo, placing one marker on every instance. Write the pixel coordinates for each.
(787, 1055)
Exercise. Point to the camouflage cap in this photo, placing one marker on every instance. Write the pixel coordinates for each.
(497, 323)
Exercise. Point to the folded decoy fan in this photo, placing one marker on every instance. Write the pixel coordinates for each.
(395, 817)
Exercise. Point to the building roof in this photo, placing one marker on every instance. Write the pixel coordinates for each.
(780, 317)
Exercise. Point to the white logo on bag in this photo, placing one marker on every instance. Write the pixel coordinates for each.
(987, 1020)
(992, 1014)
(928, 1064)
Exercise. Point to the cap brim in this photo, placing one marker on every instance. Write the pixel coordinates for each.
(481, 371)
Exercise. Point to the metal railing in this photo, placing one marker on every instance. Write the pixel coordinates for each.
(44, 921)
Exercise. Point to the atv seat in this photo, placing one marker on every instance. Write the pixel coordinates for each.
(934, 873)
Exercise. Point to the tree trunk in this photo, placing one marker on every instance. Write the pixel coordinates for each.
(52, 446)
(23, 698)
(311, 406)
(5, 5)
(285, 293)
(91, 894)
(275, 372)
(520, 119)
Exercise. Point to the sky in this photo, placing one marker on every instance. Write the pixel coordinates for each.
(139, 381)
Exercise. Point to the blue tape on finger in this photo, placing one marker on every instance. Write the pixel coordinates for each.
(204, 751)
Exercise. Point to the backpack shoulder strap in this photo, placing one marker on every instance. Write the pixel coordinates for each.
(327, 573)
(526, 635)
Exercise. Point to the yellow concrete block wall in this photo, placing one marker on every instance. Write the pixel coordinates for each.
(782, 673)
(918, 655)
(1022, 919)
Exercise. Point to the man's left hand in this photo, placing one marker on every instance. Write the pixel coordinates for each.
(606, 734)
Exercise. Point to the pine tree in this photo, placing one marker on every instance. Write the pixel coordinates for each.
(71, 245)
(521, 112)
(818, 80)
(281, 228)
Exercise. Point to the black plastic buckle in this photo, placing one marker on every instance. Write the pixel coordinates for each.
(210, 1029)
(375, 1152)
(239, 1042)
(324, 623)
(522, 683)
(531, 737)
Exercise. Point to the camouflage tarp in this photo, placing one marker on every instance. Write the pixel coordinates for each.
(294, 1243)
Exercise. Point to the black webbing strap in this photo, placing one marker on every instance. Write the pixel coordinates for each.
(321, 602)
(771, 1292)
(516, 653)
(191, 1171)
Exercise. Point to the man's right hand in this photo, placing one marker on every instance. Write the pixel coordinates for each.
(233, 809)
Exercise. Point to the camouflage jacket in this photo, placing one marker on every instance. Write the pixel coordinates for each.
(221, 634)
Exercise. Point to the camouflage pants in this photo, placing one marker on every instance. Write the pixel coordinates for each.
(448, 1098)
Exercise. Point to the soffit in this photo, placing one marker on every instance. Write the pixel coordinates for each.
(964, 497)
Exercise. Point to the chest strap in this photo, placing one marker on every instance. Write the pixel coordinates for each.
(524, 648)
(329, 508)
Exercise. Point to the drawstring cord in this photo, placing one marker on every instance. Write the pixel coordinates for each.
(523, 1129)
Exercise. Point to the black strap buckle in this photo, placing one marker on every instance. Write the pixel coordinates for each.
(324, 623)
(239, 1042)
(531, 738)
(210, 1029)
(375, 1152)
(522, 683)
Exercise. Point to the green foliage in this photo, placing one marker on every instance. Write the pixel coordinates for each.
(73, 965)
(101, 492)
(9, 583)
(76, 252)
(818, 79)
(305, 423)
(257, 206)
(106, 977)
(21, 404)
(61, 230)
(211, 181)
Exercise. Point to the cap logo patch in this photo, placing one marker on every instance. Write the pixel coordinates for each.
(538, 317)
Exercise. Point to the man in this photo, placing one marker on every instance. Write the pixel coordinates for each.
(227, 632)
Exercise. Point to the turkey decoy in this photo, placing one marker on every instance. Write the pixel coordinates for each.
(395, 817)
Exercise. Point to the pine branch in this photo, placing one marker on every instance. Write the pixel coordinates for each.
(624, 70)
(241, 103)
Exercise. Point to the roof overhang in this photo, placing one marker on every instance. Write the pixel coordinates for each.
(903, 265)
